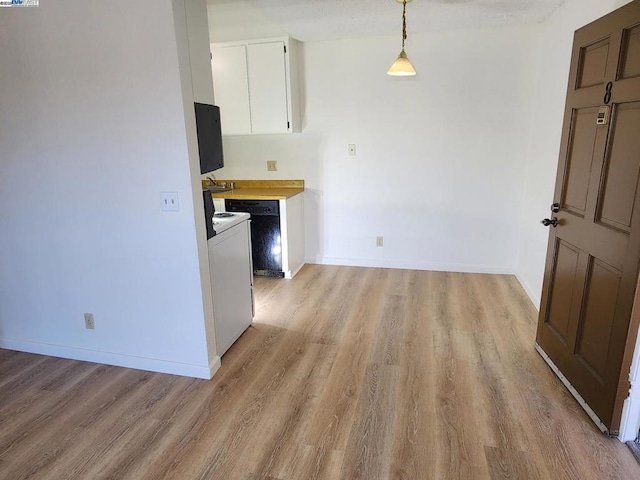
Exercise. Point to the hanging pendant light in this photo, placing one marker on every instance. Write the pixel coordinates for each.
(402, 66)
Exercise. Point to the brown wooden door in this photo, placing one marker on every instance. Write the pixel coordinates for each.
(593, 253)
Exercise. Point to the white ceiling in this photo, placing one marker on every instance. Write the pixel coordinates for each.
(311, 20)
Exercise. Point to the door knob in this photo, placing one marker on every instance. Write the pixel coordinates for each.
(550, 221)
(555, 207)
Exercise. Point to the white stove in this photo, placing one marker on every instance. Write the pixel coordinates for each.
(231, 273)
(225, 220)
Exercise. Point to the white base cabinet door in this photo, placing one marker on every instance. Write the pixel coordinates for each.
(292, 234)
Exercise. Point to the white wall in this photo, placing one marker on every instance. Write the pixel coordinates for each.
(440, 157)
(554, 40)
(239, 20)
(463, 157)
(194, 61)
(92, 129)
(470, 152)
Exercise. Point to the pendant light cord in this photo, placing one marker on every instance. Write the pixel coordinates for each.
(404, 22)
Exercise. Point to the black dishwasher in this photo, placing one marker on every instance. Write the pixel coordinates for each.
(266, 244)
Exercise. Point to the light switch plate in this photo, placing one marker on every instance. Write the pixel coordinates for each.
(169, 202)
(272, 166)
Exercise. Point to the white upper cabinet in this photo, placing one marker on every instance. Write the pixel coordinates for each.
(231, 88)
(256, 86)
(267, 87)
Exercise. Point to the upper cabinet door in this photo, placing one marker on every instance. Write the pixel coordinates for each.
(256, 86)
(231, 88)
(267, 87)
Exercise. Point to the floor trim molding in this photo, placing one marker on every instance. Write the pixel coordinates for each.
(214, 366)
(110, 358)
(412, 265)
(533, 296)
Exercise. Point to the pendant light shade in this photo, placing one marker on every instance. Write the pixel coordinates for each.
(402, 66)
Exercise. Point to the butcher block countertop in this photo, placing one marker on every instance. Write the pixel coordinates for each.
(259, 189)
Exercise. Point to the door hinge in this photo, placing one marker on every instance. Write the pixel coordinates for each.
(285, 49)
(210, 56)
(288, 125)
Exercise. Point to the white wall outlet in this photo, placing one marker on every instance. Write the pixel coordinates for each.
(352, 149)
(272, 166)
(169, 202)
(379, 241)
(89, 322)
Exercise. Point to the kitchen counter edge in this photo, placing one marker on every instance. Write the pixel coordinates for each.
(259, 193)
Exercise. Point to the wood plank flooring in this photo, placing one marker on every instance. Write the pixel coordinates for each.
(347, 373)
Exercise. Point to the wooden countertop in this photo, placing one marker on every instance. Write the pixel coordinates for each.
(259, 193)
(260, 189)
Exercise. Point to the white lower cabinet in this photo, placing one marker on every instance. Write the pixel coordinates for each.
(292, 234)
(231, 284)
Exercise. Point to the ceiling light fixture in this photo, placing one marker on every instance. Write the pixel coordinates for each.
(402, 66)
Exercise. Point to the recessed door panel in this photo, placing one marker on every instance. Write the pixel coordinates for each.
(579, 161)
(593, 64)
(597, 316)
(565, 271)
(630, 59)
(622, 169)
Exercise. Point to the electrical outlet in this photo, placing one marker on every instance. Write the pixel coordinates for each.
(89, 322)
(379, 241)
(352, 149)
(272, 166)
(169, 202)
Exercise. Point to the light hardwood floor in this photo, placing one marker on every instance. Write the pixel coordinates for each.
(347, 373)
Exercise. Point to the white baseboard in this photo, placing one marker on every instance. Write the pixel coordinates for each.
(534, 297)
(214, 366)
(412, 265)
(292, 273)
(109, 358)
